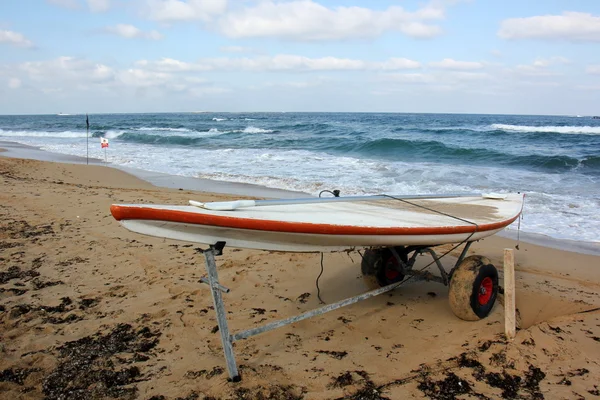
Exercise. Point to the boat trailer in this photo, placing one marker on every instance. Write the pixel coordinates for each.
(473, 285)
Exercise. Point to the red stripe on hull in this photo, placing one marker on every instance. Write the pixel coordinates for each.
(145, 213)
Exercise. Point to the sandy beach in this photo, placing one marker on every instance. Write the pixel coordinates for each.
(89, 310)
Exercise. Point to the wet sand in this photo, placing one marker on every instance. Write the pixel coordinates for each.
(91, 310)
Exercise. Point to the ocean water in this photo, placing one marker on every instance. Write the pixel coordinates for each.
(555, 160)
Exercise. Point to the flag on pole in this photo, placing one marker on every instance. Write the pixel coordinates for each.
(87, 140)
(104, 142)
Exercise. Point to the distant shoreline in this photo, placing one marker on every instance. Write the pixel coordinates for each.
(80, 114)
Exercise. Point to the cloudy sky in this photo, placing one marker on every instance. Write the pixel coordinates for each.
(459, 56)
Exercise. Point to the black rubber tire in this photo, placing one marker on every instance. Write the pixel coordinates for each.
(378, 263)
(370, 259)
(470, 287)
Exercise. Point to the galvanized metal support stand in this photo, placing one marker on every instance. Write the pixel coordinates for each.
(215, 288)
(227, 339)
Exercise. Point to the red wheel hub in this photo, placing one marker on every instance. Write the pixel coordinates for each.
(391, 273)
(486, 289)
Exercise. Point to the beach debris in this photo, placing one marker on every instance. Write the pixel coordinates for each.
(93, 366)
(367, 390)
(257, 311)
(274, 392)
(445, 389)
(39, 284)
(18, 310)
(87, 303)
(533, 377)
(528, 342)
(71, 261)
(345, 379)
(66, 305)
(193, 396)
(23, 230)
(16, 375)
(440, 381)
(205, 373)
(66, 320)
(14, 291)
(338, 355)
(8, 245)
(303, 298)
(350, 378)
(15, 272)
(578, 372)
(62, 307)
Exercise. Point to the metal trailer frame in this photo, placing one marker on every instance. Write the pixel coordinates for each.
(227, 338)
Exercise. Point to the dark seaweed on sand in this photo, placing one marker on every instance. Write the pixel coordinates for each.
(88, 369)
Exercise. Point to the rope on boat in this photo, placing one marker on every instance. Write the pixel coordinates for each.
(519, 225)
(336, 194)
(441, 213)
(318, 289)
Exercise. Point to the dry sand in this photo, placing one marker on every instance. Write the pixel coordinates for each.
(91, 310)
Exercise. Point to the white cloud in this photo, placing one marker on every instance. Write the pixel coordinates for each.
(141, 78)
(14, 38)
(588, 87)
(303, 20)
(450, 79)
(546, 62)
(416, 78)
(457, 77)
(573, 26)
(170, 65)
(67, 69)
(293, 62)
(538, 84)
(532, 70)
(14, 83)
(307, 20)
(291, 84)
(237, 49)
(72, 4)
(98, 6)
(69, 74)
(448, 63)
(540, 67)
(180, 10)
(397, 63)
(201, 91)
(131, 32)
(593, 69)
(281, 62)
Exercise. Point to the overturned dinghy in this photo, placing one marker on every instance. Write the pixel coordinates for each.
(327, 224)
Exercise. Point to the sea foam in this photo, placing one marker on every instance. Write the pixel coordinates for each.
(582, 130)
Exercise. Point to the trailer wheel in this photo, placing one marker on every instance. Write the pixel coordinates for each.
(383, 266)
(473, 288)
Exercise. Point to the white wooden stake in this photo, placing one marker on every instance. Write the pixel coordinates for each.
(509, 294)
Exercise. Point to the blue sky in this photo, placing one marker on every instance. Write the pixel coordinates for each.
(459, 56)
